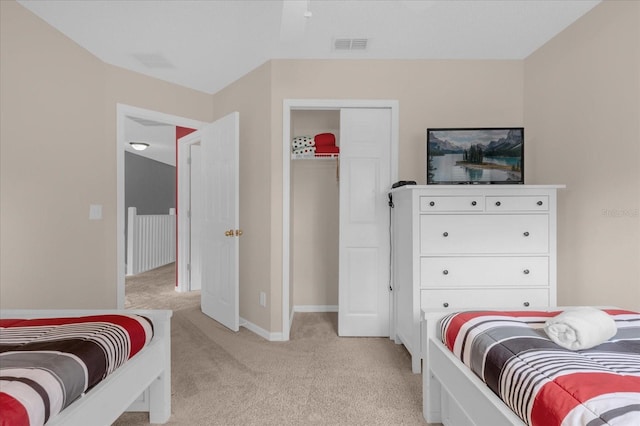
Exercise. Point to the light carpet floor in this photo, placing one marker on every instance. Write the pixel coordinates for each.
(317, 378)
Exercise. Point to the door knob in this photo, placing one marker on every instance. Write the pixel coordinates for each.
(228, 233)
(238, 232)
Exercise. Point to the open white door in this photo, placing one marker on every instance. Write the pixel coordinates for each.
(218, 218)
(365, 175)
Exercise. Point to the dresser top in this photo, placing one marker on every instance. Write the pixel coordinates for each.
(486, 188)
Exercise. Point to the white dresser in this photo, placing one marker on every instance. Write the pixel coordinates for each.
(470, 246)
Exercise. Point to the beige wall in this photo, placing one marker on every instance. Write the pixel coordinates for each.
(58, 156)
(314, 232)
(51, 168)
(251, 96)
(582, 118)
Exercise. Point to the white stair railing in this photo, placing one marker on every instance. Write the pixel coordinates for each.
(151, 240)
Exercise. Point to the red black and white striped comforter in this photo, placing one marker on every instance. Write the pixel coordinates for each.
(46, 364)
(543, 383)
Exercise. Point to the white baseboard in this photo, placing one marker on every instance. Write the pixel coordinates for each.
(272, 337)
(277, 337)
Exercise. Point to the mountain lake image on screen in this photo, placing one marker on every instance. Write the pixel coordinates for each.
(475, 155)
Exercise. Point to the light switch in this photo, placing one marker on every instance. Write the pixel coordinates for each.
(95, 212)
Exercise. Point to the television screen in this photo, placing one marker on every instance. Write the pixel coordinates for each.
(475, 155)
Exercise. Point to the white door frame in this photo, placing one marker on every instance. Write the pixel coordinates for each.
(194, 219)
(123, 111)
(319, 104)
(183, 257)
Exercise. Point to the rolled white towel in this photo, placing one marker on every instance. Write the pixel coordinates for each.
(580, 328)
(307, 150)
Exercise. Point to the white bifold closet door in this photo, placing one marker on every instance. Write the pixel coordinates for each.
(365, 179)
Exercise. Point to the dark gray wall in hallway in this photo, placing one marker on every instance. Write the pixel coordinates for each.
(150, 185)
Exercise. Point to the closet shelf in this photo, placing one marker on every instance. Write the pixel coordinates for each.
(314, 156)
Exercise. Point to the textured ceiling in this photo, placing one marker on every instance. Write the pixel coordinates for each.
(206, 45)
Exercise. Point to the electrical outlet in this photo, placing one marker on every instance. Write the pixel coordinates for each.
(263, 299)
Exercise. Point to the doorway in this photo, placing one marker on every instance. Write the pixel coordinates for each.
(363, 170)
(122, 113)
(315, 214)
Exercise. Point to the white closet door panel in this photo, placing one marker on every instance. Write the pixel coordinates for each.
(360, 187)
(365, 174)
(363, 298)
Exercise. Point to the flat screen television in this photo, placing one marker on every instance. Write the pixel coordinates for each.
(491, 155)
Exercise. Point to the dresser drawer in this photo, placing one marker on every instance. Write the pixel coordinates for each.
(484, 234)
(483, 298)
(451, 204)
(483, 271)
(517, 203)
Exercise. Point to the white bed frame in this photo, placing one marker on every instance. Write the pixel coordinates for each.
(141, 384)
(451, 393)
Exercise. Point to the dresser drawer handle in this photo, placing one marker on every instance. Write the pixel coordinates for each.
(432, 203)
(445, 272)
(445, 304)
(539, 203)
(526, 304)
(498, 203)
(445, 234)
(526, 272)
(473, 203)
(526, 233)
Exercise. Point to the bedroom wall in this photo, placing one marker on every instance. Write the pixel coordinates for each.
(430, 93)
(251, 97)
(573, 91)
(582, 115)
(58, 156)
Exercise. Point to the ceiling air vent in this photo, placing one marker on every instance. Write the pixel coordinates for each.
(350, 43)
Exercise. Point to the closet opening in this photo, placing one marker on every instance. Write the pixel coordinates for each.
(315, 211)
(335, 216)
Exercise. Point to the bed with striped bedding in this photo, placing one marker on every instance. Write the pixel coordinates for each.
(46, 364)
(543, 383)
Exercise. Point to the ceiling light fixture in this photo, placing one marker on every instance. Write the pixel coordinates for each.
(139, 146)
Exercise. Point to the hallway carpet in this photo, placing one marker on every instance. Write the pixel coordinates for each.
(317, 378)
